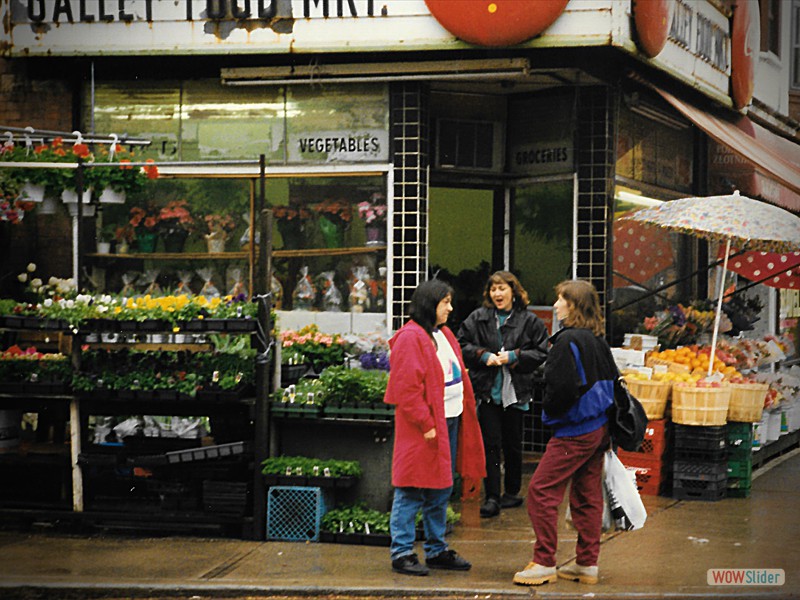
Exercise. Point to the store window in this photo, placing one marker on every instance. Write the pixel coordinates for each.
(330, 252)
(203, 120)
(795, 44)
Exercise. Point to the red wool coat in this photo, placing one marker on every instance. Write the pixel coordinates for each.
(416, 388)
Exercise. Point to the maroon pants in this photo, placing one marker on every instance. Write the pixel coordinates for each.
(580, 460)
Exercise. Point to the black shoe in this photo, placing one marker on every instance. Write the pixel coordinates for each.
(510, 501)
(409, 565)
(490, 508)
(450, 560)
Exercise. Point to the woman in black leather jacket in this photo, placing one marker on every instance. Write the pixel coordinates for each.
(503, 343)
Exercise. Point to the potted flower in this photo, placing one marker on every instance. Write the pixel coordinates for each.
(175, 224)
(113, 182)
(124, 236)
(144, 222)
(373, 212)
(219, 227)
(290, 221)
(334, 216)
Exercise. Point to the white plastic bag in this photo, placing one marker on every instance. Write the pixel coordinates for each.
(623, 496)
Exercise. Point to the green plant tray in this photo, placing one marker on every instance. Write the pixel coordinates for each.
(304, 411)
(347, 481)
(378, 412)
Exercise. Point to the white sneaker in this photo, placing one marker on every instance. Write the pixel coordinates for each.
(535, 574)
(576, 572)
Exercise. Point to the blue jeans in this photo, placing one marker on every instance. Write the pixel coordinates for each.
(408, 501)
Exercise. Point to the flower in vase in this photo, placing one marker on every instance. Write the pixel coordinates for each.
(124, 233)
(372, 214)
(175, 217)
(224, 223)
(146, 218)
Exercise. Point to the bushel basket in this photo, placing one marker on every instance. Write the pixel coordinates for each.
(700, 405)
(747, 402)
(653, 395)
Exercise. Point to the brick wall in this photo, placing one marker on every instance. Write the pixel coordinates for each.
(41, 239)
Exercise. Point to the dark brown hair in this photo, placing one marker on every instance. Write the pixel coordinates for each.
(584, 305)
(519, 295)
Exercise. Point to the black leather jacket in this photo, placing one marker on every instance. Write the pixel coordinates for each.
(523, 332)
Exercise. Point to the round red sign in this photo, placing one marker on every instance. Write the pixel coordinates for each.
(496, 22)
(652, 20)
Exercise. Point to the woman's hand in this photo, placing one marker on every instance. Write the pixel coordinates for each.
(497, 360)
(430, 435)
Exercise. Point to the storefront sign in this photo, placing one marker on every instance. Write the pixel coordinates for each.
(542, 159)
(497, 22)
(339, 146)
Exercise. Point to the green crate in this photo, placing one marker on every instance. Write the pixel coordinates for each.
(739, 482)
(740, 469)
(738, 492)
(739, 435)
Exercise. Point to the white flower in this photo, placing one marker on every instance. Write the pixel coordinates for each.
(48, 302)
(52, 281)
(23, 277)
(102, 309)
(70, 304)
(31, 267)
(36, 283)
(83, 298)
(62, 303)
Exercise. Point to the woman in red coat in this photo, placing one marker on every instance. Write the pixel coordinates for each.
(434, 415)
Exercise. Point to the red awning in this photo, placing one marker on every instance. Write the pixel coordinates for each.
(772, 156)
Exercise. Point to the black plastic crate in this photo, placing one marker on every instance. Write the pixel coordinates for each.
(695, 489)
(701, 471)
(683, 454)
(699, 437)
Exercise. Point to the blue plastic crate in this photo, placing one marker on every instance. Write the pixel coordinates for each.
(294, 513)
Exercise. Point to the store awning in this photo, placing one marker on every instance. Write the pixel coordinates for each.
(772, 156)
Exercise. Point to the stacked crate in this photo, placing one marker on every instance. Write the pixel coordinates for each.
(700, 464)
(740, 459)
(651, 463)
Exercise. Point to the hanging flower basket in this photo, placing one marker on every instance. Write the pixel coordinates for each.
(33, 192)
(111, 196)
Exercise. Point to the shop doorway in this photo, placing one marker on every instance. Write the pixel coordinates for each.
(463, 243)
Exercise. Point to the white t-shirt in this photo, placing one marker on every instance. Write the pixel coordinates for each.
(453, 382)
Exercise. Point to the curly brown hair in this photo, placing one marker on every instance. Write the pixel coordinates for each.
(520, 296)
(584, 305)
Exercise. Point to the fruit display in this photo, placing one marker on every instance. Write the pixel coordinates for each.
(695, 360)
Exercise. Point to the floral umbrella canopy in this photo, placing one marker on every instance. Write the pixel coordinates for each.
(747, 223)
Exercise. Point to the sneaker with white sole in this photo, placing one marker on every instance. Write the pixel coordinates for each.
(535, 574)
(576, 572)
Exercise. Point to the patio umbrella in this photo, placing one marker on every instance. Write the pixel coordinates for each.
(640, 252)
(730, 219)
(774, 269)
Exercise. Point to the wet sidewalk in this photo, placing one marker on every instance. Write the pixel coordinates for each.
(669, 557)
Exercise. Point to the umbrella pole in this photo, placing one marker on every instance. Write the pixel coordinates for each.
(719, 308)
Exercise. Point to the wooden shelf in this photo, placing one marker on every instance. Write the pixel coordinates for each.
(327, 251)
(175, 256)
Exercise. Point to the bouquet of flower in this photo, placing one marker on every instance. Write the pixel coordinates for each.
(335, 210)
(146, 218)
(175, 217)
(373, 210)
(221, 222)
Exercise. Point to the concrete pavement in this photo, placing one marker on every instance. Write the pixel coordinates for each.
(669, 557)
